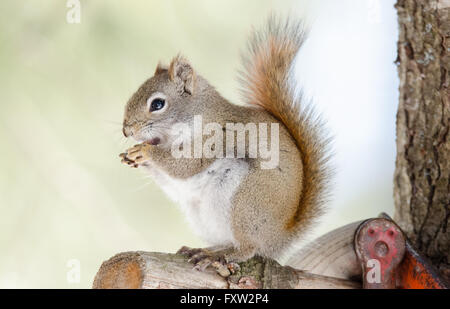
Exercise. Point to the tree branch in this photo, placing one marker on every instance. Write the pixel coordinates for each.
(151, 270)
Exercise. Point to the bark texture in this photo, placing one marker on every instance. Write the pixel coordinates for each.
(151, 270)
(422, 175)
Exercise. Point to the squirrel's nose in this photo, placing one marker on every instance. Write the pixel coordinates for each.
(126, 131)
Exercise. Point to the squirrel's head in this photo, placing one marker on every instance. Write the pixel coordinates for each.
(167, 98)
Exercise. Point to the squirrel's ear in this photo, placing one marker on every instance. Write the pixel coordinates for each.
(181, 72)
(160, 69)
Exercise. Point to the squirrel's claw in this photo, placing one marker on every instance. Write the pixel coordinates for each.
(127, 161)
(203, 258)
(189, 252)
(136, 155)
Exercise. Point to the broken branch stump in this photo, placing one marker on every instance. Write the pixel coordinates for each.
(151, 270)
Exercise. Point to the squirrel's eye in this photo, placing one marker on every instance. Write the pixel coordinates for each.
(157, 104)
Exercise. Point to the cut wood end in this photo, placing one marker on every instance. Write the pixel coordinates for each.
(122, 271)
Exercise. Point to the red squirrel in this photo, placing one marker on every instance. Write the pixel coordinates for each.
(235, 205)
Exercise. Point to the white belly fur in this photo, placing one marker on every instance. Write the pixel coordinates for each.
(205, 198)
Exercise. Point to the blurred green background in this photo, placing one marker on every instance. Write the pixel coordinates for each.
(63, 192)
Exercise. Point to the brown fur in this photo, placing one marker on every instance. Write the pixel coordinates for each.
(266, 76)
(271, 207)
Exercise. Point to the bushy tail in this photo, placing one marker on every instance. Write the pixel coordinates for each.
(267, 64)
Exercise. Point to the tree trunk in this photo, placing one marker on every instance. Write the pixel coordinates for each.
(422, 175)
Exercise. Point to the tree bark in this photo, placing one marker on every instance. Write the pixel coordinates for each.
(422, 175)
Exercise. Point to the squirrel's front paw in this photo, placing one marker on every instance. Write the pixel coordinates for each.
(137, 155)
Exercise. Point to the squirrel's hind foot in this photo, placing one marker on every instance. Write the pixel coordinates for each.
(202, 258)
